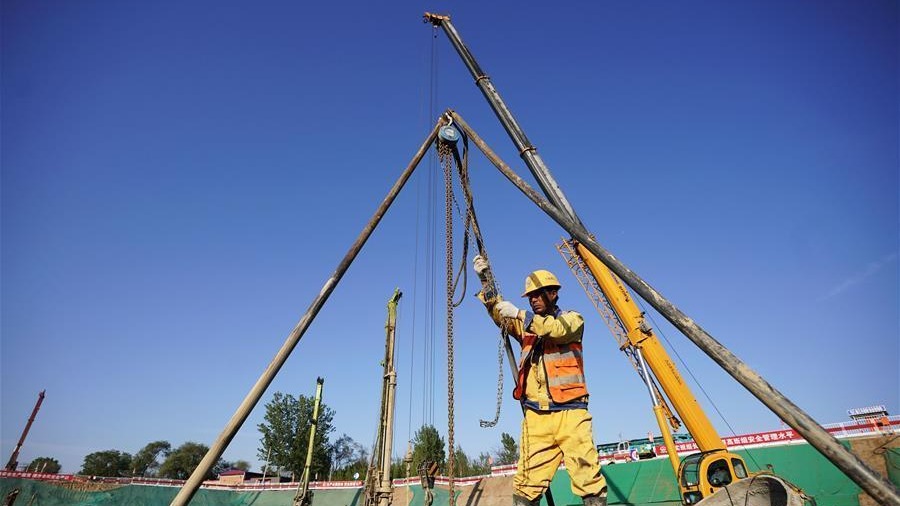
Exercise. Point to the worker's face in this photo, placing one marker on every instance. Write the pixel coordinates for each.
(542, 301)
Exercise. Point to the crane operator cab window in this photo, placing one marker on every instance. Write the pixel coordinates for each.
(690, 470)
(739, 470)
(718, 474)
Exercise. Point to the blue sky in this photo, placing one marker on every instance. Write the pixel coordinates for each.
(178, 181)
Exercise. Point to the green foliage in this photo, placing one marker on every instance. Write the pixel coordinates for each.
(225, 465)
(466, 466)
(428, 445)
(112, 463)
(285, 435)
(398, 469)
(359, 466)
(482, 465)
(508, 453)
(44, 465)
(461, 462)
(221, 466)
(182, 461)
(145, 461)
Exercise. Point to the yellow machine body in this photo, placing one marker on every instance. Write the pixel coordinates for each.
(699, 475)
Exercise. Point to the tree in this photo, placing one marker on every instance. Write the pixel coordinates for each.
(358, 464)
(285, 435)
(428, 445)
(461, 461)
(221, 466)
(508, 453)
(111, 463)
(482, 466)
(145, 461)
(343, 451)
(398, 468)
(345, 454)
(182, 461)
(44, 465)
(225, 465)
(468, 467)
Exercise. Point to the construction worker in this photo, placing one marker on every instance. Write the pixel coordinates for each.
(551, 388)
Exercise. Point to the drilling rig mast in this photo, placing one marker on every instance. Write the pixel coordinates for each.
(378, 479)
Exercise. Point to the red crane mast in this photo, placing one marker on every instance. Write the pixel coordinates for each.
(13, 459)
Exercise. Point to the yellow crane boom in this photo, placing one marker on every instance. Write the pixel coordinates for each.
(717, 467)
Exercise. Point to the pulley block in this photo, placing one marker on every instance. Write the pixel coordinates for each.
(449, 133)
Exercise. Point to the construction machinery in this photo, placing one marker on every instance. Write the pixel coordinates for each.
(714, 469)
(304, 494)
(378, 478)
(699, 475)
(14, 458)
(720, 472)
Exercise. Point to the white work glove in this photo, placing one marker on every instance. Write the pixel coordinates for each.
(481, 266)
(507, 309)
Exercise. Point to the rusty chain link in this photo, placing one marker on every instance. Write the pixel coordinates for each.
(491, 423)
(446, 156)
(471, 223)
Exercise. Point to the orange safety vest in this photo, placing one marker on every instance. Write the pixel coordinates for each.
(563, 366)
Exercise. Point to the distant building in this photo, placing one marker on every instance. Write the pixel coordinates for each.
(240, 477)
(868, 413)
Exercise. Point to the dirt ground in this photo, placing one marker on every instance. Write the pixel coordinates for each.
(492, 491)
(871, 451)
(86, 486)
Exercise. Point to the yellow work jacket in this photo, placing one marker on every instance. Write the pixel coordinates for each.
(551, 368)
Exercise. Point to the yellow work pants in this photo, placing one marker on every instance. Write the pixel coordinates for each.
(548, 437)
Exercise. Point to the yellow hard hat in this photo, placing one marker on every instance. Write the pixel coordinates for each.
(540, 279)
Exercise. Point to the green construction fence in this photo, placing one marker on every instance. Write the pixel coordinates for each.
(648, 482)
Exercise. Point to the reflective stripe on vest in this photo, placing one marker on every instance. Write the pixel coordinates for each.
(565, 372)
(563, 366)
(555, 381)
(571, 352)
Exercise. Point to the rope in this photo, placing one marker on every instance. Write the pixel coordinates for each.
(412, 347)
(431, 275)
(429, 370)
(426, 241)
(691, 374)
(434, 223)
(462, 166)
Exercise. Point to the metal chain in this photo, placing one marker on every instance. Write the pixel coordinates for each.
(491, 282)
(472, 222)
(446, 156)
(491, 423)
(462, 273)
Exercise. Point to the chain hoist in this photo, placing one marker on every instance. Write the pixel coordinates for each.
(446, 157)
(449, 154)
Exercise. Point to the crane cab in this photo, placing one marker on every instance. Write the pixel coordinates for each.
(702, 474)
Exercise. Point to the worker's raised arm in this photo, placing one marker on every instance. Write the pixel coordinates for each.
(505, 315)
(566, 327)
(497, 308)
